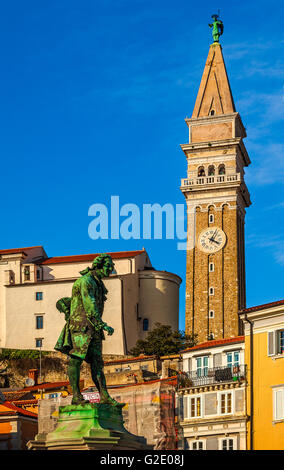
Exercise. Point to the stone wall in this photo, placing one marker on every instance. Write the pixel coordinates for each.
(149, 411)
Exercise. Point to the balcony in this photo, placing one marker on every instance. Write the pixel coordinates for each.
(208, 180)
(215, 375)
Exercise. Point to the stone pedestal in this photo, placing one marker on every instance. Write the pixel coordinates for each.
(91, 426)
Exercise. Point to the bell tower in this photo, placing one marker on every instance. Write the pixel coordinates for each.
(216, 197)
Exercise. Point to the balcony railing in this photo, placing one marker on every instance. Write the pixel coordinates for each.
(204, 180)
(215, 375)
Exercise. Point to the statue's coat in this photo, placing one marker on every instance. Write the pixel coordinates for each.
(84, 326)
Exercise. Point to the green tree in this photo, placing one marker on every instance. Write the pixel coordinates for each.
(162, 341)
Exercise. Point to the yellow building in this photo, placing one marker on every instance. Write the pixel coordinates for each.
(264, 356)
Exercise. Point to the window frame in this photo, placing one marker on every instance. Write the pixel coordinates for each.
(145, 321)
(203, 366)
(198, 441)
(227, 439)
(274, 342)
(195, 398)
(41, 342)
(279, 390)
(226, 394)
(211, 264)
(40, 295)
(37, 318)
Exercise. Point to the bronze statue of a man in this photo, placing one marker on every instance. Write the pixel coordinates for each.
(82, 335)
(217, 28)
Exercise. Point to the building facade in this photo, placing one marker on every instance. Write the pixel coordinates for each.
(216, 196)
(211, 396)
(264, 355)
(31, 283)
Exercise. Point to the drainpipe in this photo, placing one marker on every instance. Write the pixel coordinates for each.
(251, 381)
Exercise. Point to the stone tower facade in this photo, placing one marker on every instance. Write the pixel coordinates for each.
(216, 197)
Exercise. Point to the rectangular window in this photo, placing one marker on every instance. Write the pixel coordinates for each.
(39, 295)
(27, 273)
(211, 267)
(281, 342)
(275, 342)
(226, 403)
(39, 322)
(233, 359)
(202, 366)
(195, 407)
(38, 274)
(228, 444)
(197, 445)
(39, 343)
(278, 404)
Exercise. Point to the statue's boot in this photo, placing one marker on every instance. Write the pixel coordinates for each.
(74, 379)
(79, 400)
(105, 398)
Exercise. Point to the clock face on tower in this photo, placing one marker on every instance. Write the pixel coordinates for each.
(211, 239)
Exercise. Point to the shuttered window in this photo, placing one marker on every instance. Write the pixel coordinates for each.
(271, 343)
(210, 404)
(275, 342)
(278, 404)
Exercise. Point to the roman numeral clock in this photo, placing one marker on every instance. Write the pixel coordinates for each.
(211, 240)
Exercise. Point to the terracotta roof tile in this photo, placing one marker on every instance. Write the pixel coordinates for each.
(17, 395)
(261, 307)
(131, 359)
(16, 410)
(49, 386)
(90, 257)
(215, 343)
(18, 250)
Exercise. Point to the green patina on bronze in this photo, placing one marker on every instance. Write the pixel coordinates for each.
(82, 335)
(217, 28)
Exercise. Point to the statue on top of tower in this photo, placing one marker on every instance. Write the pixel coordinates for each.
(217, 26)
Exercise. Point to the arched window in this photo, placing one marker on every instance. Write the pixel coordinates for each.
(145, 324)
(212, 112)
(211, 170)
(222, 170)
(201, 171)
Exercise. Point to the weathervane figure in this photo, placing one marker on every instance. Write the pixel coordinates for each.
(217, 26)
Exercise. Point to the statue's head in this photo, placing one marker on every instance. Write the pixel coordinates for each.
(102, 265)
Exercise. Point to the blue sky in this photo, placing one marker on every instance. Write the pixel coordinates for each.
(93, 100)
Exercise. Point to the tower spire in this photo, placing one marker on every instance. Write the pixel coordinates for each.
(214, 96)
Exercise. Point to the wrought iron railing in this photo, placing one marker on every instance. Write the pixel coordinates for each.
(215, 375)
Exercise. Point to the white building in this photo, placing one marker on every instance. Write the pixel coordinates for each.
(211, 396)
(31, 283)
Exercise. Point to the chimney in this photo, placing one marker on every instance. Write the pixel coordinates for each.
(33, 374)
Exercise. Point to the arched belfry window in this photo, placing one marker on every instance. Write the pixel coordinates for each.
(211, 170)
(201, 171)
(222, 170)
